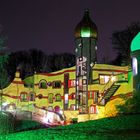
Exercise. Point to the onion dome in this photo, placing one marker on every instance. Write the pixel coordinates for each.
(135, 44)
(86, 28)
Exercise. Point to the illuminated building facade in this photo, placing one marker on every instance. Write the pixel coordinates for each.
(86, 91)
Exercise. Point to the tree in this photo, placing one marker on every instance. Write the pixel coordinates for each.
(3, 59)
(37, 61)
(121, 41)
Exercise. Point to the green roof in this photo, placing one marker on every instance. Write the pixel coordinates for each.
(135, 44)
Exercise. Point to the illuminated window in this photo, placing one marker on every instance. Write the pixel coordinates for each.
(95, 97)
(135, 66)
(84, 88)
(73, 96)
(85, 32)
(80, 44)
(23, 97)
(72, 107)
(84, 81)
(80, 81)
(57, 84)
(80, 58)
(104, 79)
(50, 108)
(84, 98)
(43, 84)
(72, 83)
(93, 109)
(66, 98)
(32, 96)
(90, 95)
(57, 109)
(57, 97)
(50, 98)
(84, 66)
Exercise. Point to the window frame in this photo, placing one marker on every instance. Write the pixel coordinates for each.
(49, 97)
(25, 99)
(55, 87)
(42, 81)
(34, 94)
(56, 98)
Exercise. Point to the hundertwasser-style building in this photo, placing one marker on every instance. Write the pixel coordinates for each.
(86, 91)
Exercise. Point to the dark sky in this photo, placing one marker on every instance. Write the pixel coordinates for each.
(49, 24)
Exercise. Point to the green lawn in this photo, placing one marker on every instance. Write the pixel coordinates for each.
(118, 128)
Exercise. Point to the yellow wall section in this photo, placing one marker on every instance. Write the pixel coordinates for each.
(11, 94)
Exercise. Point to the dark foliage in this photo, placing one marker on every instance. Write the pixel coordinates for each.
(7, 123)
(3, 59)
(132, 105)
(29, 62)
(121, 41)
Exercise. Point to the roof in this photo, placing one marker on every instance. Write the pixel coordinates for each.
(135, 44)
(86, 27)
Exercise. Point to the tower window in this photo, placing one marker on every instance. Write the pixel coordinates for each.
(66, 98)
(80, 59)
(85, 32)
(80, 44)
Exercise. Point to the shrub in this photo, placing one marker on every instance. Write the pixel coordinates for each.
(7, 123)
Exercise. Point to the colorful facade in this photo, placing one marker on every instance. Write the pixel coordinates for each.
(111, 85)
(86, 91)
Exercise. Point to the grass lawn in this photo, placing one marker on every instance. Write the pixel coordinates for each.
(118, 128)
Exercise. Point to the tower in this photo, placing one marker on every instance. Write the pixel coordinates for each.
(135, 55)
(85, 40)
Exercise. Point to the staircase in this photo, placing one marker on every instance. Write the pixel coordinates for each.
(108, 94)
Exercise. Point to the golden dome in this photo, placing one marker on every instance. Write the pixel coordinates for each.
(86, 28)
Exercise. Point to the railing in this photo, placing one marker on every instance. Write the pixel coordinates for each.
(107, 86)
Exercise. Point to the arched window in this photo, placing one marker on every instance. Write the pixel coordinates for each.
(73, 96)
(23, 97)
(50, 98)
(72, 107)
(57, 109)
(43, 84)
(10, 107)
(50, 108)
(56, 84)
(93, 109)
(32, 96)
(57, 97)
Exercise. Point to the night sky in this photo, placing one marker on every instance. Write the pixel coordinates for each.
(49, 24)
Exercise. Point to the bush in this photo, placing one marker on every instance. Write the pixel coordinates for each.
(74, 120)
(7, 123)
